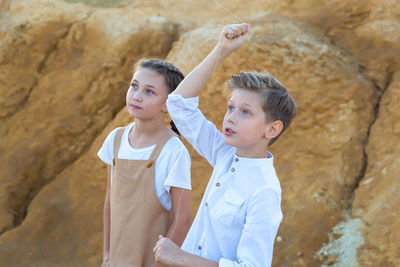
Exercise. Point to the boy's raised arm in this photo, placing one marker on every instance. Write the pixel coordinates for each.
(231, 38)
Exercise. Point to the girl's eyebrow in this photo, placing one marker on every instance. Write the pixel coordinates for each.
(147, 85)
(246, 104)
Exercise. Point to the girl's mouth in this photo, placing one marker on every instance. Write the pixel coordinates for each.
(135, 107)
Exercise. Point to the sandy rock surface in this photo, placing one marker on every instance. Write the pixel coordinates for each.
(64, 70)
(63, 78)
(377, 199)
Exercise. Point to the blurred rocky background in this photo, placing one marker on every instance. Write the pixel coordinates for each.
(64, 70)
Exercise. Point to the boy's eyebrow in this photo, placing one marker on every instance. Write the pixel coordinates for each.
(148, 85)
(230, 102)
(247, 105)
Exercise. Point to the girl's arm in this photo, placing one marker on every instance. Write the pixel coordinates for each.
(106, 220)
(231, 38)
(181, 211)
(169, 253)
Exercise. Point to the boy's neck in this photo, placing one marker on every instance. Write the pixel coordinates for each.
(257, 152)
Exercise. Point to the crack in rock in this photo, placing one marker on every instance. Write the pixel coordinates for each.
(345, 238)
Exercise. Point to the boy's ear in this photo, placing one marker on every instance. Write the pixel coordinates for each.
(273, 129)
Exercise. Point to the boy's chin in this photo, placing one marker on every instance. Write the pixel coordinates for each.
(229, 142)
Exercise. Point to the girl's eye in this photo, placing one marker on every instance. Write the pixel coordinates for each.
(149, 92)
(230, 108)
(134, 86)
(245, 112)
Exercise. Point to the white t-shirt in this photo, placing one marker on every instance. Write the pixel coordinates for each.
(172, 168)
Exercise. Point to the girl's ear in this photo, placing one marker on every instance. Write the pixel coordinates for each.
(273, 129)
(164, 108)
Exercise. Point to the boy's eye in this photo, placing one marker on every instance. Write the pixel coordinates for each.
(149, 92)
(245, 112)
(134, 86)
(230, 108)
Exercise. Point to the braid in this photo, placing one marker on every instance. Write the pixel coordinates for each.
(172, 75)
(174, 69)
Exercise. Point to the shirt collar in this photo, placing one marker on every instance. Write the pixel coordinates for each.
(261, 162)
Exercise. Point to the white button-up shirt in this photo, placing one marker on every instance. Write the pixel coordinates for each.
(240, 213)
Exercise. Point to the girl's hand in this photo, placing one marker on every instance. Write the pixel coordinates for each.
(106, 258)
(167, 252)
(233, 36)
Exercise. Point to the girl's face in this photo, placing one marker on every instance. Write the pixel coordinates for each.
(146, 95)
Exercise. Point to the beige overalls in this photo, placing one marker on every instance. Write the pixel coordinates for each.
(137, 216)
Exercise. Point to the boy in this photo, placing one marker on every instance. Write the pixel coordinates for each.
(240, 212)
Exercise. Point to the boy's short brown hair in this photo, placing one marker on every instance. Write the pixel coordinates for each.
(275, 99)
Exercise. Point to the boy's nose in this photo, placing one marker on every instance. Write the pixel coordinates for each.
(231, 118)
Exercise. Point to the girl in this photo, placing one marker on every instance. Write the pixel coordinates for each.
(148, 191)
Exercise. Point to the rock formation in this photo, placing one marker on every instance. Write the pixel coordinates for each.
(64, 69)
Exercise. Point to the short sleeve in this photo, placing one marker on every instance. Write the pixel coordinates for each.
(178, 170)
(107, 149)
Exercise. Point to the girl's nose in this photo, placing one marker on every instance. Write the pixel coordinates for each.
(137, 96)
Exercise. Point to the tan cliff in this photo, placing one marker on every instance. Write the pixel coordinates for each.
(64, 70)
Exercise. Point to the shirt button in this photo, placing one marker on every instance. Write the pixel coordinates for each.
(206, 204)
(233, 169)
(236, 159)
(199, 247)
(217, 184)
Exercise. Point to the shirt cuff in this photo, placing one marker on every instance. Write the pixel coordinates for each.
(179, 101)
(225, 263)
(168, 186)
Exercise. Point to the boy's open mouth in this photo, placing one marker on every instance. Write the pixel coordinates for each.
(228, 132)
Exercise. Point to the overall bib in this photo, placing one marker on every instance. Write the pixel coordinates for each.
(137, 216)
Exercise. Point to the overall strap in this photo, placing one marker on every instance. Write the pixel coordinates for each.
(117, 142)
(156, 151)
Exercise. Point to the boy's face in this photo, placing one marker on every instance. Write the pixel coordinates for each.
(244, 124)
(146, 95)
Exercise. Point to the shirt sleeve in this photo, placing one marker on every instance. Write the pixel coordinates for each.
(106, 152)
(191, 123)
(178, 171)
(262, 222)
